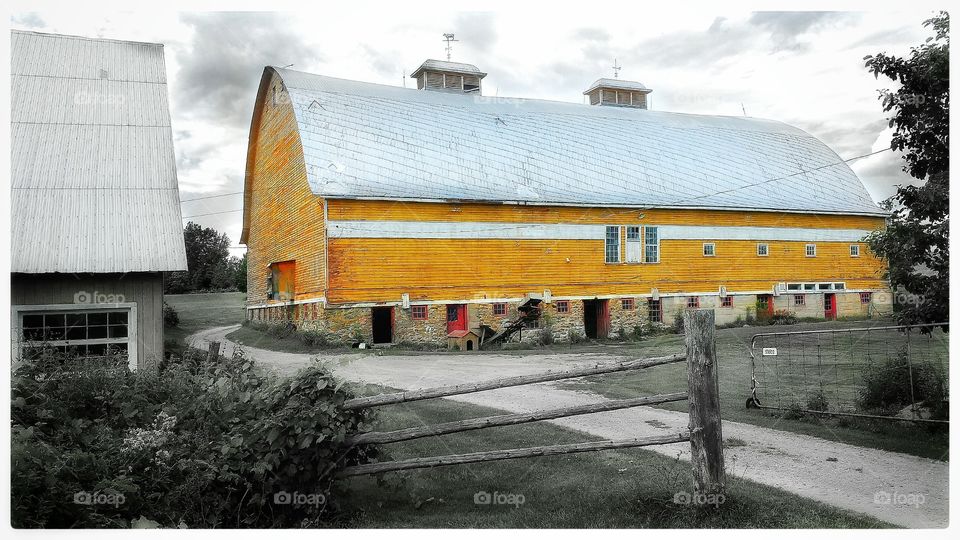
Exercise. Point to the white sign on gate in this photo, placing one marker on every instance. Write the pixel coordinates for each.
(769, 351)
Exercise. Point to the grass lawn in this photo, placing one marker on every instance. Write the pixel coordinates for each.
(733, 350)
(611, 489)
(201, 311)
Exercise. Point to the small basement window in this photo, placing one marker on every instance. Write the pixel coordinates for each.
(693, 302)
(811, 250)
(799, 299)
(500, 309)
(726, 301)
(563, 306)
(627, 304)
(709, 250)
(418, 313)
(854, 250)
(866, 297)
(654, 312)
(763, 250)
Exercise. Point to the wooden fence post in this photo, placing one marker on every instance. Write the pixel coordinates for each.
(706, 438)
(213, 352)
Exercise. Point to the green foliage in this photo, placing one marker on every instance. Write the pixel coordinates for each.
(887, 386)
(209, 264)
(915, 240)
(678, 322)
(817, 401)
(782, 316)
(171, 319)
(197, 444)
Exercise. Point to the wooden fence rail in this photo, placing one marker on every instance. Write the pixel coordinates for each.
(508, 419)
(520, 380)
(516, 453)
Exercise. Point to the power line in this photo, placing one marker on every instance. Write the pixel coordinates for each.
(211, 196)
(212, 213)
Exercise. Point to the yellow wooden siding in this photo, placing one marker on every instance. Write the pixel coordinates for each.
(286, 218)
(508, 213)
(373, 269)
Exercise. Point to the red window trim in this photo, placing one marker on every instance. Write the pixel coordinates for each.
(866, 297)
(726, 301)
(693, 302)
(502, 306)
(415, 312)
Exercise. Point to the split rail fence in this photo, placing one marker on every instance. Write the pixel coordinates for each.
(704, 431)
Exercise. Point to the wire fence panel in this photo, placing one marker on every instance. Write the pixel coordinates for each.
(888, 372)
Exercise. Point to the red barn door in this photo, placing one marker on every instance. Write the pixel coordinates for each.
(456, 317)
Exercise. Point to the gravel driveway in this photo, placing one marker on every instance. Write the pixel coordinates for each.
(838, 474)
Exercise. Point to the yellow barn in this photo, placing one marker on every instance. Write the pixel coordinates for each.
(405, 215)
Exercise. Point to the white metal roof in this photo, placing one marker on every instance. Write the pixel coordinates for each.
(94, 180)
(363, 140)
(618, 84)
(446, 65)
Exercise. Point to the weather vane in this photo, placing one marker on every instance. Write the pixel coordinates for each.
(449, 39)
(616, 69)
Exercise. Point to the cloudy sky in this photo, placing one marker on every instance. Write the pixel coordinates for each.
(802, 68)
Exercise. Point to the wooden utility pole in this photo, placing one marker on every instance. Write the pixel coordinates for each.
(706, 438)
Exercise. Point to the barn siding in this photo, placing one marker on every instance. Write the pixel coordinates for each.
(286, 219)
(144, 289)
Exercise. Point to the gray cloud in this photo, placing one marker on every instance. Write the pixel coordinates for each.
(785, 27)
(30, 20)
(592, 34)
(220, 70)
(476, 30)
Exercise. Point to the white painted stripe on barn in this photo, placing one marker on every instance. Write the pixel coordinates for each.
(564, 231)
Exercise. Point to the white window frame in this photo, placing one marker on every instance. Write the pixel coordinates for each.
(854, 250)
(766, 250)
(655, 245)
(18, 311)
(713, 249)
(806, 250)
(637, 243)
(606, 231)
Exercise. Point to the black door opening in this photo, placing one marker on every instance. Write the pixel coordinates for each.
(382, 318)
(590, 318)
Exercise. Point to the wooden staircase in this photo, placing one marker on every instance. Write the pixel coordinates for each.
(529, 311)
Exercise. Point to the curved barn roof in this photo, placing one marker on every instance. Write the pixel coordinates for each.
(94, 180)
(363, 140)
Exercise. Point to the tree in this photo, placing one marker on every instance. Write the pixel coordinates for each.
(207, 262)
(240, 272)
(915, 242)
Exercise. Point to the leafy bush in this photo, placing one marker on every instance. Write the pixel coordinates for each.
(817, 401)
(678, 322)
(576, 336)
(886, 386)
(197, 444)
(782, 316)
(171, 319)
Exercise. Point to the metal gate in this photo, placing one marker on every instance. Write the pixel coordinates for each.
(890, 372)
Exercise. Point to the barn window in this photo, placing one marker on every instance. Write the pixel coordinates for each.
(866, 297)
(627, 304)
(854, 250)
(634, 244)
(612, 246)
(651, 243)
(281, 281)
(763, 250)
(811, 250)
(563, 306)
(709, 249)
(794, 286)
(693, 302)
(726, 301)
(654, 311)
(500, 309)
(418, 313)
(799, 299)
(78, 333)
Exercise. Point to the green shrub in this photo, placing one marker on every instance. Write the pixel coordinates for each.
(678, 322)
(817, 401)
(886, 386)
(576, 336)
(197, 444)
(782, 316)
(171, 319)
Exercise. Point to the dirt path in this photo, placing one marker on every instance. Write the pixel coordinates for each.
(838, 474)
